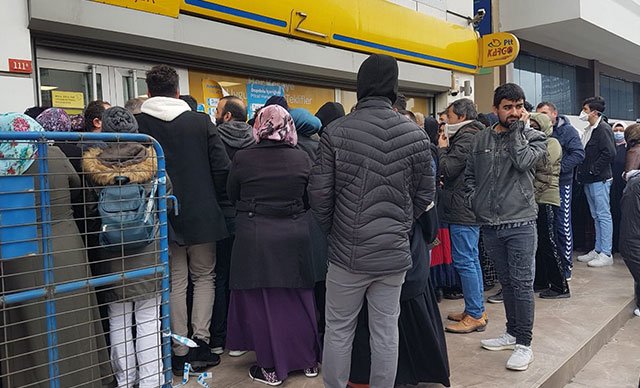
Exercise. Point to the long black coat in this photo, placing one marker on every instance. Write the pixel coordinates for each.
(267, 183)
(198, 165)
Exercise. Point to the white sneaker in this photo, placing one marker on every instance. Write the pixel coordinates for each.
(505, 342)
(237, 353)
(520, 359)
(588, 257)
(601, 261)
(637, 312)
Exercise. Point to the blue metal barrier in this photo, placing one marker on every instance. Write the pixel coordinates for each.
(50, 289)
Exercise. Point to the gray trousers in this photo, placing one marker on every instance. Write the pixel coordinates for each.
(345, 295)
(197, 262)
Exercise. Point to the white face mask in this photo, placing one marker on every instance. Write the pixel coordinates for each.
(584, 116)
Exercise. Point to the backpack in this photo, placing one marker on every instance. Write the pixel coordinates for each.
(126, 212)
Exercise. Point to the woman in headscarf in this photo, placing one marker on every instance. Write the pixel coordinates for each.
(271, 309)
(82, 352)
(618, 184)
(630, 210)
(549, 279)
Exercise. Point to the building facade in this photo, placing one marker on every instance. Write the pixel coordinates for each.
(307, 50)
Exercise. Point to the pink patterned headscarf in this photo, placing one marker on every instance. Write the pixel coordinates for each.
(273, 122)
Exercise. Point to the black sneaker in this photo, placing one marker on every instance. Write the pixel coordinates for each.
(201, 357)
(177, 365)
(496, 298)
(265, 376)
(551, 294)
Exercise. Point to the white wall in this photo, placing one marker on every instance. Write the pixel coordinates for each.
(17, 91)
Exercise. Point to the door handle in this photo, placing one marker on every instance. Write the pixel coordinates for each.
(303, 17)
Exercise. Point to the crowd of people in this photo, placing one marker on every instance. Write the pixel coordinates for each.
(322, 239)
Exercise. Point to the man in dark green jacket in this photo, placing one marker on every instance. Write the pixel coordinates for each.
(499, 181)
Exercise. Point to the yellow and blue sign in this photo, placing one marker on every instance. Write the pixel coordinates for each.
(369, 26)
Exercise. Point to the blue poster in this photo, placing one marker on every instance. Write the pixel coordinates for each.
(257, 95)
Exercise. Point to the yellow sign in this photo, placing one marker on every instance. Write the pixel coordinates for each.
(498, 49)
(73, 100)
(161, 7)
(212, 93)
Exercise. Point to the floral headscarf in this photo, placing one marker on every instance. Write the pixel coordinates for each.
(77, 123)
(54, 120)
(273, 122)
(17, 156)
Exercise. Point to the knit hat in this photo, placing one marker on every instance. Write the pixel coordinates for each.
(378, 77)
(119, 120)
(306, 123)
(54, 120)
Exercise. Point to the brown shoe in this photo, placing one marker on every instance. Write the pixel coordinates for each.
(468, 325)
(457, 317)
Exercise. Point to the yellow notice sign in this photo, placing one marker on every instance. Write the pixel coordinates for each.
(74, 100)
(498, 49)
(160, 7)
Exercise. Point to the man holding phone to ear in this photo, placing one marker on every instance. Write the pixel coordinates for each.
(499, 180)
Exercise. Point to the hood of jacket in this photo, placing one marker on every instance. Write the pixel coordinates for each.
(131, 160)
(544, 122)
(306, 123)
(236, 134)
(329, 112)
(164, 108)
(378, 77)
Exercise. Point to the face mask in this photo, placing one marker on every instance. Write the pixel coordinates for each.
(619, 136)
(584, 116)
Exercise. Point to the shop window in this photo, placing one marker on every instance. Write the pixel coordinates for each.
(620, 98)
(208, 88)
(544, 80)
(130, 91)
(70, 90)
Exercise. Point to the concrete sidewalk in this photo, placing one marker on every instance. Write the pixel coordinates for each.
(565, 334)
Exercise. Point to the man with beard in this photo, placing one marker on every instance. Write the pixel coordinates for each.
(499, 184)
(236, 134)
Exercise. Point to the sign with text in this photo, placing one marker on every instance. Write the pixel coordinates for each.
(20, 66)
(62, 99)
(498, 49)
(257, 95)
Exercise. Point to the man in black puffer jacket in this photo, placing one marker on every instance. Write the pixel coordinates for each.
(372, 179)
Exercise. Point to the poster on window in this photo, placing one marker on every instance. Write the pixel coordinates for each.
(257, 95)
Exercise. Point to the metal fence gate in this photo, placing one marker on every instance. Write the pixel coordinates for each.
(65, 320)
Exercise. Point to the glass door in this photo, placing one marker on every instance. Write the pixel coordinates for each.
(70, 85)
(129, 83)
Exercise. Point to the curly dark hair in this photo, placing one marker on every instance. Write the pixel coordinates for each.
(162, 81)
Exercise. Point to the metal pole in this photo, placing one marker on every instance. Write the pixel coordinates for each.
(94, 83)
(134, 76)
(50, 304)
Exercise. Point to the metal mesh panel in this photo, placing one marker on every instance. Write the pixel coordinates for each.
(84, 302)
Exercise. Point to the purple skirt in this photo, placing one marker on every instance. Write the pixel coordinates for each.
(279, 324)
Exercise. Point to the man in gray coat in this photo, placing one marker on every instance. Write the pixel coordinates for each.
(371, 180)
(499, 182)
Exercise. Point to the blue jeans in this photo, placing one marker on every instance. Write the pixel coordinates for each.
(466, 261)
(598, 198)
(514, 252)
(564, 229)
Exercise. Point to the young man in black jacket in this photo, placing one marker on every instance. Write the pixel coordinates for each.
(595, 173)
(198, 166)
(499, 183)
(371, 180)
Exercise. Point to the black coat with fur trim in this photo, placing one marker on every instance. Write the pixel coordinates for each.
(139, 164)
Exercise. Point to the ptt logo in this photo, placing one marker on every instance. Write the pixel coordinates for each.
(498, 48)
(495, 43)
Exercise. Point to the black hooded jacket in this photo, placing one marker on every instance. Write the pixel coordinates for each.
(372, 178)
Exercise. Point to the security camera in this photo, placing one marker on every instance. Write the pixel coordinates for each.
(477, 18)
